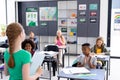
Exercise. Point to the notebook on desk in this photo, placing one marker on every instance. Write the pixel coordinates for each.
(75, 70)
(36, 62)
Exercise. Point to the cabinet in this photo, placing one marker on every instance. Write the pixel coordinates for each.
(67, 22)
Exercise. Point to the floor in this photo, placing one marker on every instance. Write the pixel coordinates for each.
(114, 71)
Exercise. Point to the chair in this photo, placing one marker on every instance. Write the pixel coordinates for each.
(54, 61)
(74, 64)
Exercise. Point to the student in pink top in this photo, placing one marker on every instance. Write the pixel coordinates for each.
(60, 41)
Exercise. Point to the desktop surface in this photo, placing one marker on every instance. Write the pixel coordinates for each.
(95, 74)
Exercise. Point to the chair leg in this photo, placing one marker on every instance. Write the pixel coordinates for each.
(54, 71)
(1, 74)
(48, 66)
(54, 65)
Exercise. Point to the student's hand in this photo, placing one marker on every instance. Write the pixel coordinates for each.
(39, 71)
(85, 60)
(60, 39)
(92, 54)
(90, 58)
(78, 64)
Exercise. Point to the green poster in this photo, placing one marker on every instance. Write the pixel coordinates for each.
(31, 17)
(93, 6)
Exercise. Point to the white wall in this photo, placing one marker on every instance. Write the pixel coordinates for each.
(2, 13)
(103, 19)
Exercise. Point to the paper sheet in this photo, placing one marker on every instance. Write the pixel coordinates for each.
(37, 61)
(75, 70)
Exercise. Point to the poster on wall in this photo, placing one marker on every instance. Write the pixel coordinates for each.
(82, 6)
(117, 20)
(31, 17)
(93, 6)
(115, 32)
(48, 13)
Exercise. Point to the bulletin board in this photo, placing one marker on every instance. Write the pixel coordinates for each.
(88, 18)
(35, 16)
(39, 17)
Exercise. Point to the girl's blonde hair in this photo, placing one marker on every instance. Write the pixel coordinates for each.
(100, 38)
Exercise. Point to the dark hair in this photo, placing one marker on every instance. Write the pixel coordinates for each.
(13, 31)
(86, 44)
(28, 41)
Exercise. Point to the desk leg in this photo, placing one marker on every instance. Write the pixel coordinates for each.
(63, 59)
(50, 64)
(58, 78)
(109, 66)
(68, 59)
(58, 62)
(107, 71)
(1, 74)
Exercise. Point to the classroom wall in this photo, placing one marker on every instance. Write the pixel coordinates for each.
(103, 22)
(103, 19)
(2, 14)
(103, 15)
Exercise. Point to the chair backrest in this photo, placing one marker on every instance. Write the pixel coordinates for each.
(51, 47)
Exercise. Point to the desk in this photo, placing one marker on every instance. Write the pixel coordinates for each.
(95, 74)
(105, 58)
(2, 49)
(50, 54)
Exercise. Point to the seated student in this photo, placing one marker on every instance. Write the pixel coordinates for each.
(60, 42)
(28, 45)
(3, 41)
(99, 48)
(85, 59)
(34, 39)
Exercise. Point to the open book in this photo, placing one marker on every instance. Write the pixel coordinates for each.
(36, 62)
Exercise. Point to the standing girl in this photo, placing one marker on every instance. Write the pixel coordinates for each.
(17, 60)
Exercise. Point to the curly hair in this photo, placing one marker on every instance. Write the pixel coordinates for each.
(28, 41)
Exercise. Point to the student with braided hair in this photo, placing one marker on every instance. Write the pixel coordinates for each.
(17, 60)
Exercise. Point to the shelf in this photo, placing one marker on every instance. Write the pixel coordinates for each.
(65, 4)
(67, 20)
